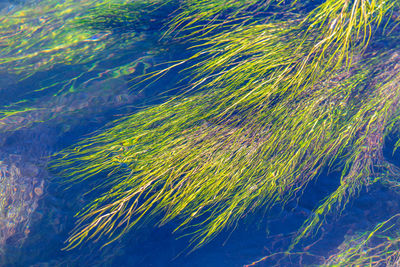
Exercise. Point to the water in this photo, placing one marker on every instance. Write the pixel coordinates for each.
(78, 83)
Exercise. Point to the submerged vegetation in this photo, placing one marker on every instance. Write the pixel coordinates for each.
(277, 92)
(272, 102)
(47, 55)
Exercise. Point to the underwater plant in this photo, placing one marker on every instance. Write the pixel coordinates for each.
(45, 50)
(273, 99)
(379, 247)
(40, 36)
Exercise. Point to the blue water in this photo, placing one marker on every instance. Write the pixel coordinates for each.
(68, 112)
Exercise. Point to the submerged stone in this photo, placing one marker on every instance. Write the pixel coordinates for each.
(18, 197)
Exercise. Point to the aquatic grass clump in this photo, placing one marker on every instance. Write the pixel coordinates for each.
(48, 34)
(198, 16)
(379, 247)
(127, 16)
(44, 51)
(38, 36)
(271, 104)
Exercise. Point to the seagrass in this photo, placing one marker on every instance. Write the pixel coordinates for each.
(272, 101)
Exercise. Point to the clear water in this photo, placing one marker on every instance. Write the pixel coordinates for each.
(78, 90)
